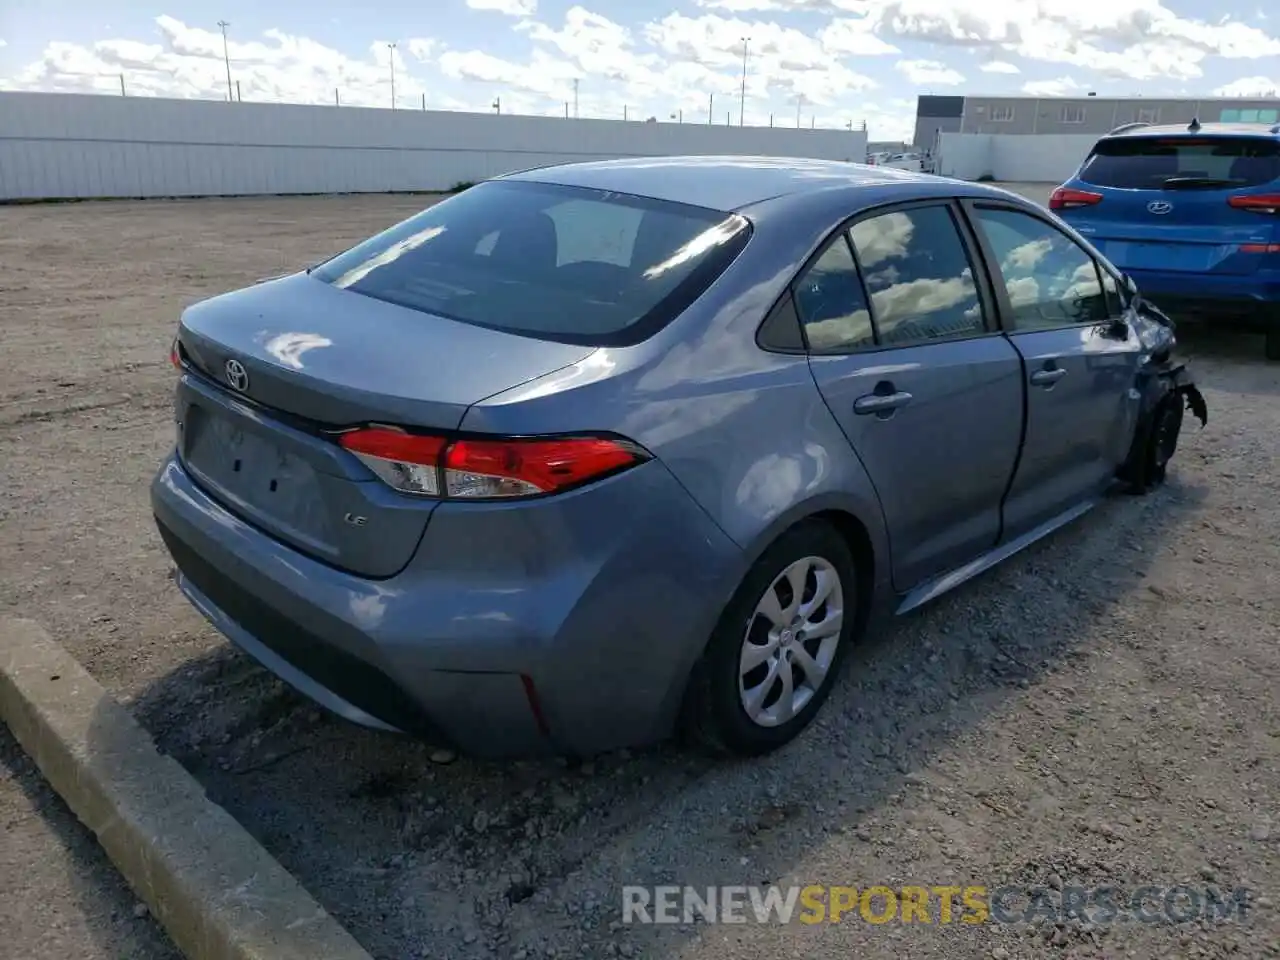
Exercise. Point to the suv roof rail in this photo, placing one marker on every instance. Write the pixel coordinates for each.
(1128, 126)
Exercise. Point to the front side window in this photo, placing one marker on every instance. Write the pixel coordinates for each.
(560, 263)
(918, 275)
(1051, 281)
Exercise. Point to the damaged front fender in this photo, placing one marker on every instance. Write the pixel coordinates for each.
(1184, 385)
(1165, 388)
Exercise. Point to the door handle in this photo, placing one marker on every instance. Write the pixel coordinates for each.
(1047, 378)
(880, 402)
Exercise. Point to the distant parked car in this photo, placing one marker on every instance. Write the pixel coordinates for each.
(905, 161)
(590, 453)
(1192, 213)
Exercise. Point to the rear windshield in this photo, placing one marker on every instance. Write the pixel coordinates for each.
(558, 263)
(1182, 162)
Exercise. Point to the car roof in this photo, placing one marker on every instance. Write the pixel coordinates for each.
(1267, 130)
(720, 183)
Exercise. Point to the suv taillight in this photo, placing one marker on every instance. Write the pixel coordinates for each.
(484, 469)
(1256, 202)
(175, 354)
(1067, 198)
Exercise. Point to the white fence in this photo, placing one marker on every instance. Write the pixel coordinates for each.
(1019, 158)
(74, 145)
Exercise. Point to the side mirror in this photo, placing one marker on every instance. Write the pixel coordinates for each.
(1118, 329)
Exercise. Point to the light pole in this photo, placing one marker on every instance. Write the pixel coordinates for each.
(391, 47)
(742, 96)
(226, 58)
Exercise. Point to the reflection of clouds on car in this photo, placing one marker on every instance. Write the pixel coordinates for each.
(1048, 279)
(1026, 256)
(882, 238)
(922, 299)
(838, 330)
(918, 275)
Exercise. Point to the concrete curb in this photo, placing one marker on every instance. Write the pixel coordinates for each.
(217, 892)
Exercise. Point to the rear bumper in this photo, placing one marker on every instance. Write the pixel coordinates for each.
(567, 625)
(1251, 299)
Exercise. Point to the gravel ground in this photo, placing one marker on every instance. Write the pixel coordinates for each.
(1101, 709)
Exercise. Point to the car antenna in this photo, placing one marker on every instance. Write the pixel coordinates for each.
(1194, 125)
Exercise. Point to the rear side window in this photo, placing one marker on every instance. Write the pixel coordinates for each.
(1182, 162)
(831, 302)
(559, 263)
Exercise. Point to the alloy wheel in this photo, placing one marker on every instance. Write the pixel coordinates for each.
(790, 641)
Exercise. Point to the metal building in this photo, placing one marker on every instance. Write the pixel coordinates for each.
(1087, 115)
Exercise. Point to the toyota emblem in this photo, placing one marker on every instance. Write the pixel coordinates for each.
(237, 375)
(1159, 207)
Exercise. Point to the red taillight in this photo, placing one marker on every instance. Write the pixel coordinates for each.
(476, 469)
(408, 462)
(1067, 198)
(175, 354)
(1256, 203)
(1260, 248)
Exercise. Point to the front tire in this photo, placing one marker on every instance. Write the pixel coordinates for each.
(1152, 452)
(774, 655)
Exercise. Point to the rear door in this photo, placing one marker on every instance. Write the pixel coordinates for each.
(928, 394)
(1080, 361)
(1165, 203)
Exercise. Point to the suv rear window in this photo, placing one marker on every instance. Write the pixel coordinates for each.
(571, 264)
(1155, 163)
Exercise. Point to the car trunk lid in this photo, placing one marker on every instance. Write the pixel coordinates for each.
(271, 370)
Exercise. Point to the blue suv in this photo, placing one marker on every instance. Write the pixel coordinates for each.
(1191, 213)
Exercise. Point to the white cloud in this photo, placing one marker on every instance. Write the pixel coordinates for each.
(1137, 39)
(1249, 87)
(512, 8)
(998, 66)
(189, 63)
(422, 47)
(1051, 88)
(780, 60)
(593, 43)
(929, 73)
(845, 37)
(546, 76)
(789, 6)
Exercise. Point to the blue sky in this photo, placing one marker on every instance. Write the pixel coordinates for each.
(834, 62)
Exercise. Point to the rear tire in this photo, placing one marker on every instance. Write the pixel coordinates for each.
(1272, 347)
(775, 653)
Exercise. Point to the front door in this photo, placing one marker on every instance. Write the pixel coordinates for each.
(1080, 361)
(927, 393)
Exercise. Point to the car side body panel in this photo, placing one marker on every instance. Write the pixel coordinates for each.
(744, 430)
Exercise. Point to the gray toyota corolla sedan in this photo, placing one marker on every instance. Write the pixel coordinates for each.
(589, 454)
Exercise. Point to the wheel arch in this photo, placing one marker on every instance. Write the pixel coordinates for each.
(860, 523)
